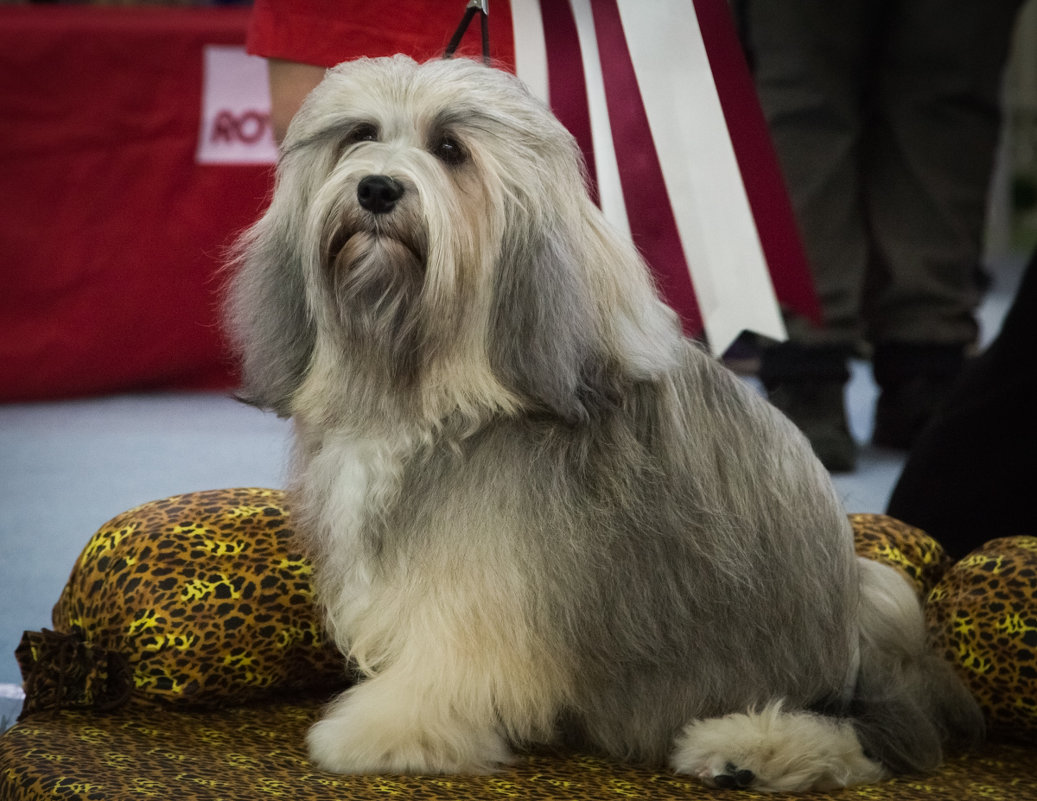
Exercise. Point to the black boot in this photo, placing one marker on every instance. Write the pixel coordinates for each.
(914, 380)
(808, 384)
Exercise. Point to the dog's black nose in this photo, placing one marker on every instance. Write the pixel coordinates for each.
(379, 193)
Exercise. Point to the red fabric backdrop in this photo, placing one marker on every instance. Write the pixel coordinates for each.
(110, 234)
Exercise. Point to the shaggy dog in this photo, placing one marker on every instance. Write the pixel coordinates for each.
(535, 510)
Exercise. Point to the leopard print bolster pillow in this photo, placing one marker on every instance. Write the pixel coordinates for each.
(196, 599)
(983, 616)
(202, 599)
(981, 613)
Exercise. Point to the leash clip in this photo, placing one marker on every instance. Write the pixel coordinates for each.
(482, 8)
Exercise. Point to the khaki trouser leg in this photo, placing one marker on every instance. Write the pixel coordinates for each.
(885, 118)
(926, 167)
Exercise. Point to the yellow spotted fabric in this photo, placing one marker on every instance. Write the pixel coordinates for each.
(910, 550)
(257, 752)
(199, 599)
(983, 616)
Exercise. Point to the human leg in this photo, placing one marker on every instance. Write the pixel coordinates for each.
(927, 158)
(810, 61)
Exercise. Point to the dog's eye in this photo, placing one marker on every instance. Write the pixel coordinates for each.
(449, 151)
(361, 133)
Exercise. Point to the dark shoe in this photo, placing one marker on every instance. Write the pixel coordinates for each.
(743, 357)
(818, 410)
(914, 381)
(807, 384)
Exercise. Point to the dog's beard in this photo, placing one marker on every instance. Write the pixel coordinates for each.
(405, 285)
(378, 282)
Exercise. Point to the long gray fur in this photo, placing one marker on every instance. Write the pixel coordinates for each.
(512, 468)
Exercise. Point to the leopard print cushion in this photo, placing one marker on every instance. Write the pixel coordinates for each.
(983, 616)
(202, 599)
(920, 558)
(196, 599)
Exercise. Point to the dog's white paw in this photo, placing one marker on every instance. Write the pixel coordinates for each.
(370, 729)
(775, 751)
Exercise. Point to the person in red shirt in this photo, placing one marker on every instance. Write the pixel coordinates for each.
(302, 38)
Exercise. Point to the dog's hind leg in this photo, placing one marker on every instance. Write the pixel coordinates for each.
(774, 750)
(907, 705)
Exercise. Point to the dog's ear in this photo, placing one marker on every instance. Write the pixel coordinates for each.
(266, 311)
(576, 317)
(542, 346)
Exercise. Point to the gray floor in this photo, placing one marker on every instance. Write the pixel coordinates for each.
(67, 467)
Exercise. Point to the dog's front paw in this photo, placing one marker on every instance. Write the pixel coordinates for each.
(367, 730)
(773, 750)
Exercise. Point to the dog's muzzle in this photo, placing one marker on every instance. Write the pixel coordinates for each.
(378, 194)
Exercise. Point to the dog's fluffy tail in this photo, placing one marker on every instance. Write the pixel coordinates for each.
(908, 703)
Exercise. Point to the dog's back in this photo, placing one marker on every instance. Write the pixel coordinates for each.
(720, 568)
(716, 573)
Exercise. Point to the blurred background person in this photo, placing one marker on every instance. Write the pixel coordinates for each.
(886, 118)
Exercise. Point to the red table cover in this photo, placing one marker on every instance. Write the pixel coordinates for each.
(111, 236)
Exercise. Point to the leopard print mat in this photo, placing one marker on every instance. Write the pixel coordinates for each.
(256, 752)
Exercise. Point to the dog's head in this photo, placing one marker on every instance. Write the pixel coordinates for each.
(431, 238)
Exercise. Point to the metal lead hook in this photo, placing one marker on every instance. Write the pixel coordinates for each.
(481, 7)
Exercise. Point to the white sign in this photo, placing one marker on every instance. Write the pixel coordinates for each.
(235, 125)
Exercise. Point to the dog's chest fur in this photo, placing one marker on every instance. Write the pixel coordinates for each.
(345, 481)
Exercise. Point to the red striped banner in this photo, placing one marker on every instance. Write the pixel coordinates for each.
(713, 220)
